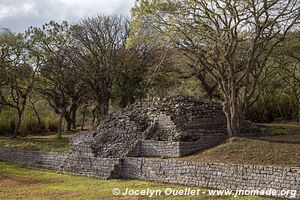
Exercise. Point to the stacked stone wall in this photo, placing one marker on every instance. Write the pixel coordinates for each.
(213, 175)
(208, 175)
(63, 162)
(152, 148)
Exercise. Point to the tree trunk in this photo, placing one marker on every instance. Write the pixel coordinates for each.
(232, 121)
(36, 112)
(69, 123)
(67, 116)
(83, 121)
(73, 116)
(94, 116)
(59, 126)
(298, 120)
(103, 108)
(230, 108)
(18, 123)
(226, 109)
(234, 115)
(126, 100)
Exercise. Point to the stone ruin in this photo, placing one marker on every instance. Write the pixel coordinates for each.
(171, 127)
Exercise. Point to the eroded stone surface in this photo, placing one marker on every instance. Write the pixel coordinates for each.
(171, 119)
(160, 119)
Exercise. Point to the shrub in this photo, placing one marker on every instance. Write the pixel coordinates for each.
(7, 124)
(52, 126)
(280, 132)
(34, 127)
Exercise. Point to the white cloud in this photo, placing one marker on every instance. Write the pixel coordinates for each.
(6, 11)
(28, 8)
(17, 15)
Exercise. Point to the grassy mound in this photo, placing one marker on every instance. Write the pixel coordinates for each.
(251, 151)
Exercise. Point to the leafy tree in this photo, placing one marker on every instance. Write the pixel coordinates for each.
(139, 70)
(17, 74)
(100, 42)
(59, 80)
(230, 40)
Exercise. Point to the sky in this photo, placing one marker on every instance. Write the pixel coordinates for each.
(18, 15)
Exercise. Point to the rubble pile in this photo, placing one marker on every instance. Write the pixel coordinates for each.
(160, 119)
(171, 119)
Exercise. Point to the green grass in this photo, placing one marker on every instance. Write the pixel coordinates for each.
(280, 132)
(36, 144)
(284, 128)
(18, 182)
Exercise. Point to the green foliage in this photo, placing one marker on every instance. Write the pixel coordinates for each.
(34, 127)
(7, 124)
(280, 132)
(171, 48)
(30, 123)
(51, 123)
(276, 106)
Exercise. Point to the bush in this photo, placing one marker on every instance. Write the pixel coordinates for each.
(6, 127)
(7, 124)
(34, 127)
(30, 123)
(52, 126)
(280, 132)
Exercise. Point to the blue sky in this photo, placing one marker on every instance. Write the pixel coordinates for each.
(18, 15)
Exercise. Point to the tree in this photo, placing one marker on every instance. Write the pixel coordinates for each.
(128, 79)
(59, 80)
(100, 42)
(289, 63)
(138, 71)
(17, 74)
(230, 40)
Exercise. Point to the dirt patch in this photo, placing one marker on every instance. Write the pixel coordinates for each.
(11, 181)
(124, 198)
(6, 181)
(64, 195)
(143, 198)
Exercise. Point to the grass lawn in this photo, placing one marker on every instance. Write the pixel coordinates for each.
(36, 143)
(18, 182)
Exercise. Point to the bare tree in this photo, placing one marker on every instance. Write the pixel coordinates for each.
(230, 40)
